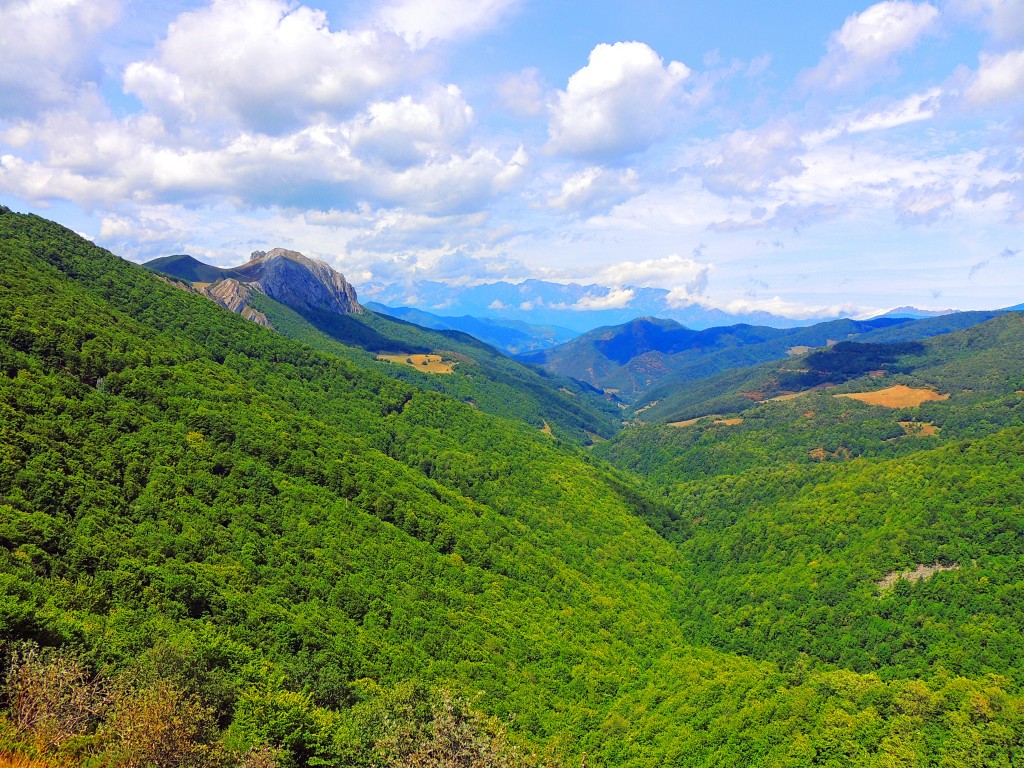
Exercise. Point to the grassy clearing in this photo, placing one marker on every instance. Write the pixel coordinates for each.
(717, 421)
(425, 363)
(898, 396)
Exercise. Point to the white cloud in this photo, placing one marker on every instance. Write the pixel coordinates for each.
(420, 22)
(746, 162)
(47, 50)
(406, 132)
(619, 103)
(106, 163)
(595, 190)
(670, 271)
(265, 65)
(870, 40)
(616, 298)
(999, 79)
(779, 306)
(1004, 19)
(914, 108)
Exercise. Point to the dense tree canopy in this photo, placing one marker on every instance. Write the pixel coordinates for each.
(307, 562)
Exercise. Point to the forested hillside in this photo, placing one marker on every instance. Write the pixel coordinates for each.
(475, 372)
(649, 359)
(299, 561)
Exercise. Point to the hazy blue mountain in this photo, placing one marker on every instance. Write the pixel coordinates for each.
(579, 307)
(915, 313)
(512, 336)
(647, 352)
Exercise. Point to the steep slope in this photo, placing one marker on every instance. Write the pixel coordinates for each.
(299, 282)
(289, 539)
(874, 535)
(306, 299)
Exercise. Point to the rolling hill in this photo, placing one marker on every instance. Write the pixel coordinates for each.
(649, 352)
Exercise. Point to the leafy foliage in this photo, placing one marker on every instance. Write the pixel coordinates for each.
(295, 556)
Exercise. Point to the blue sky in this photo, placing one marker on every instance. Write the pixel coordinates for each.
(803, 158)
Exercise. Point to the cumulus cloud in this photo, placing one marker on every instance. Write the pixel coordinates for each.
(110, 162)
(265, 65)
(615, 298)
(868, 42)
(595, 190)
(421, 22)
(47, 50)
(619, 103)
(407, 131)
(672, 270)
(998, 79)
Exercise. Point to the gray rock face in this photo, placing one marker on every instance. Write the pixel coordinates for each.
(300, 282)
(233, 295)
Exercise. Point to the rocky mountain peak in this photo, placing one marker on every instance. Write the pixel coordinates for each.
(300, 282)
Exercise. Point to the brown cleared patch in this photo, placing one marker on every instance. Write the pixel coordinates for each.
(799, 349)
(757, 397)
(546, 429)
(898, 396)
(567, 391)
(808, 414)
(425, 363)
(831, 342)
(686, 422)
(649, 405)
(876, 374)
(919, 428)
(920, 572)
(717, 421)
(820, 454)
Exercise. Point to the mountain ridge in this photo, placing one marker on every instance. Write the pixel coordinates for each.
(284, 275)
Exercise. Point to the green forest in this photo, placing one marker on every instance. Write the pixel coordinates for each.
(229, 546)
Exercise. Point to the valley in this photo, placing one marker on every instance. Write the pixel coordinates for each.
(314, 557)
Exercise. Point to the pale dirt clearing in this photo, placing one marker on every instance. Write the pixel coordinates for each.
(920, 572)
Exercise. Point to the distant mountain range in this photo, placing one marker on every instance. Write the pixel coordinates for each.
(577, 307)
(512, 336)
(651, 355)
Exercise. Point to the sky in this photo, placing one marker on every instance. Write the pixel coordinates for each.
(808, 159)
